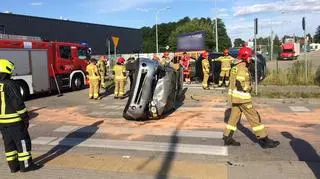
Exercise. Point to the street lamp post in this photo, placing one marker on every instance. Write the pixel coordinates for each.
(157, 43)
(217, 40)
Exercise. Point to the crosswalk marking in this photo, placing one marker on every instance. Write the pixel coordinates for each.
(299, 109)
(134, 145)
(142, 131)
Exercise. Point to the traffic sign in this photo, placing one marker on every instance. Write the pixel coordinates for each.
(115, 41)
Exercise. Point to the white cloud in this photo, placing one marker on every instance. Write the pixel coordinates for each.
(279, 6)
(223, 15)
(144, 9)
(36, 3)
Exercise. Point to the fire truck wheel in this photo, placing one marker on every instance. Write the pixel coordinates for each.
(24, 89)
(77, 82)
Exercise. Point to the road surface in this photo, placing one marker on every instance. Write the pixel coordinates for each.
(78, 138)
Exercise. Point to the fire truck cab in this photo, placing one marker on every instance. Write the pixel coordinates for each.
(38, 62)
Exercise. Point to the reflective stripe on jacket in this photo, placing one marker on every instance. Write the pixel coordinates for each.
(93, 73)
(239, 89)
(205, 66)
(12, 107)
(119, 72)
(225, 62)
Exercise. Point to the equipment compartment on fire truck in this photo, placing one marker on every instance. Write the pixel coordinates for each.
(38, 61)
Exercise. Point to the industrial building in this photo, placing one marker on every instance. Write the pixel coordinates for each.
(95, 35)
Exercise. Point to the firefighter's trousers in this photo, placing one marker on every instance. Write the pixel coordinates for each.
(119, 87)
(94, 88)
(224, 75)
(17, 146)
(251, 115)
(205, 80)
(102, 81)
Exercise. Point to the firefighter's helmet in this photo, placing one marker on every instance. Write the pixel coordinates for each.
(120, 60)
(244, 54)
(6, 66)
(205, 54)
(226, 52)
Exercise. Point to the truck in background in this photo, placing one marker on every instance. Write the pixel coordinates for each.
(37, 62)
(290, 50)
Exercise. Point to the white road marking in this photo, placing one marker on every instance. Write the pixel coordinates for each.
(135, 145)
(299, 109)
(43, 140)
(142, 131)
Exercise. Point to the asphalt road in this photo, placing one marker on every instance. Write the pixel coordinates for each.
(78, 138)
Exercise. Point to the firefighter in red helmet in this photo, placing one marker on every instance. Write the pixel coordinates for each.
(239, 94)
(205, 70)
(165, 58)
(119, 72)
(226, 61)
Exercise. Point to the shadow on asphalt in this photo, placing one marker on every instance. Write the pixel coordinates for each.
(240, 127)
(305, 152)
(64, 145)
(33, 114)
(166, 164)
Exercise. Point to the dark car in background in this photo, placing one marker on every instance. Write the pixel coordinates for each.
(215, 67)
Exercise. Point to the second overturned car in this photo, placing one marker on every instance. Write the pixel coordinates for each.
(156, 89)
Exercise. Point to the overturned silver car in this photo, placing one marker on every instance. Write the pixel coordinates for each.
(156, 89)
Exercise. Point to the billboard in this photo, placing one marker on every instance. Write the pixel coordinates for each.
(191, 41)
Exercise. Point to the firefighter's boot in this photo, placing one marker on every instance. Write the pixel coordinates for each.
(228, 140)
(268, 143)
(32, 167)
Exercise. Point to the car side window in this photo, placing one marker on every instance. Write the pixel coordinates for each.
(65, 52)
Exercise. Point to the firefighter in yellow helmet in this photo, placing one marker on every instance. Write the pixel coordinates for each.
(119, 71)
(102, 69)
(205, 70)
(239, 94)
(14, 123)
(93, 76)
(226, 61)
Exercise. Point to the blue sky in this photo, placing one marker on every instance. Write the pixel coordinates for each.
(283, 16)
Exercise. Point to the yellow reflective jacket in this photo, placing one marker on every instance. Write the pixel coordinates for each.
(119, 72)
(93, 73)
(225, 62)
(240, 85)
(205, 66)
(13, 110)
(102, 69)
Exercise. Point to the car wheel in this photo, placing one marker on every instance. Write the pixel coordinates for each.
(77, 83)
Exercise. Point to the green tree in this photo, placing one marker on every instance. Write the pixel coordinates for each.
(224, 40)
(316, 38)
(238, 42)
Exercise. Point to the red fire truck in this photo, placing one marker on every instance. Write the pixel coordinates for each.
(37, 62)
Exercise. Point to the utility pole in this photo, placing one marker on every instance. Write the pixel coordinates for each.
(271, 46)
(255, 52)
(305, 48)
(157, 39)
(217, 40)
